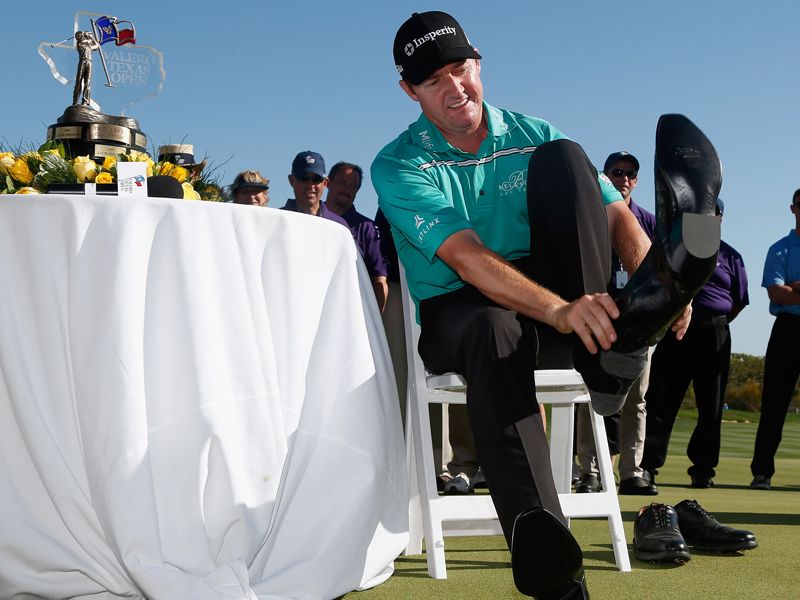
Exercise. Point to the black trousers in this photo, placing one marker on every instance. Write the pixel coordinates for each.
(496, 349)
(702, 358)
(781, 370)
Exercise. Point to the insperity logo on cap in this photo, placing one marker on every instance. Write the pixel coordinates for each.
(428, 41)
(431, 35)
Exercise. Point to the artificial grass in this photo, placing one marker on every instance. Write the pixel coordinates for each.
(479, 567)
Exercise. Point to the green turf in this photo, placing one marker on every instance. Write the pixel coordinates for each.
(478, 567)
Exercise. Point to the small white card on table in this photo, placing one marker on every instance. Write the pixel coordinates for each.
(132, 179)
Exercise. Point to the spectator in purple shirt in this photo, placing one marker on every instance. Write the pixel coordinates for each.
(308, 181)
(626, 429)
(344, 181)
(702, 358)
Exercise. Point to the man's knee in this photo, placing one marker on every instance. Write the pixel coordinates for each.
(495, 331)
(567, 149)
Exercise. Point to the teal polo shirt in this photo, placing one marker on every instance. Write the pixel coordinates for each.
(429, 190)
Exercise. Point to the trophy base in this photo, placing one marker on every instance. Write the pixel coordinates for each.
(87, 132)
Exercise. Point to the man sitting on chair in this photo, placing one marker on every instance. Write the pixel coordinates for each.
(503, 227)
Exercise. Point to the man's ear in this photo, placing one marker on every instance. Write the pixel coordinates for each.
(291, 180)
(408, 89)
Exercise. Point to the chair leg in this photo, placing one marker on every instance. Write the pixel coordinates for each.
(426, 482)
(611, 501)
(415, 534)
(562, 420)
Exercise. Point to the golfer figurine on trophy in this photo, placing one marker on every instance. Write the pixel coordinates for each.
(82, 129)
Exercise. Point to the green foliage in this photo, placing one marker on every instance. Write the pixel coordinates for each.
(54, 169)
(745, 381)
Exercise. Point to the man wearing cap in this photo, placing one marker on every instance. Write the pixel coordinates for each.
(493, 241)
(308, 181)
(344, 182)
(781, 366)
(626, 429)
(702, 358)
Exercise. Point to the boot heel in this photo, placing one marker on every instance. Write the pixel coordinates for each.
(701, 234)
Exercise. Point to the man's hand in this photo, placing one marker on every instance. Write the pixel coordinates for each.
(590, 318)
(681, 324)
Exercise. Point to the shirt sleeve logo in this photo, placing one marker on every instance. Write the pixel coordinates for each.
(418, 221)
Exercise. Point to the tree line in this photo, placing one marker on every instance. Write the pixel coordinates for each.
(744, 385)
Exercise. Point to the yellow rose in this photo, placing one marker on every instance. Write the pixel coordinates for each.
(6, 162)
(137, 156)
(85, 169)
(165, 167)
(20, 171)
(104, 177)
(179, 173)
(109, 162)
(28, 190)
(188, 192)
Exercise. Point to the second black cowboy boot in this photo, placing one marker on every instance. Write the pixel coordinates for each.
(683, 255)
(546, 560)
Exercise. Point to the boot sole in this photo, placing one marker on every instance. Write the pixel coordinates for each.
(688, 178)
(545, 558)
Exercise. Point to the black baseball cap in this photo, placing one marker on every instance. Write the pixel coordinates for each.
(428, 41)
(612, 158)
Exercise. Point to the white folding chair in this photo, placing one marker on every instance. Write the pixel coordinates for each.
(432, 516)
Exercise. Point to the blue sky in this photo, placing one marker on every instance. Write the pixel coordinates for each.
(253, 83)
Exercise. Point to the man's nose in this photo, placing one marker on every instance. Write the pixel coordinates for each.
(453, 84)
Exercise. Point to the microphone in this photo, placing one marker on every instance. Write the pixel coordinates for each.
(164, 186)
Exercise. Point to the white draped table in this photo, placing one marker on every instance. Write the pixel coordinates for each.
(196, 402)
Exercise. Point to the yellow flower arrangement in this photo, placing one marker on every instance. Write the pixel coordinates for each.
(33, 172)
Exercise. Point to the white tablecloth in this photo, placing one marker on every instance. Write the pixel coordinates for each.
(196, 402)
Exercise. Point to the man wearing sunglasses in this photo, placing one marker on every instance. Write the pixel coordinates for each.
(308, 181)
(625, 429)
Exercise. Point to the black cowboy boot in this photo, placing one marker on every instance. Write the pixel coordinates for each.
(682, 257)
(546, 560)
(688, 178)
